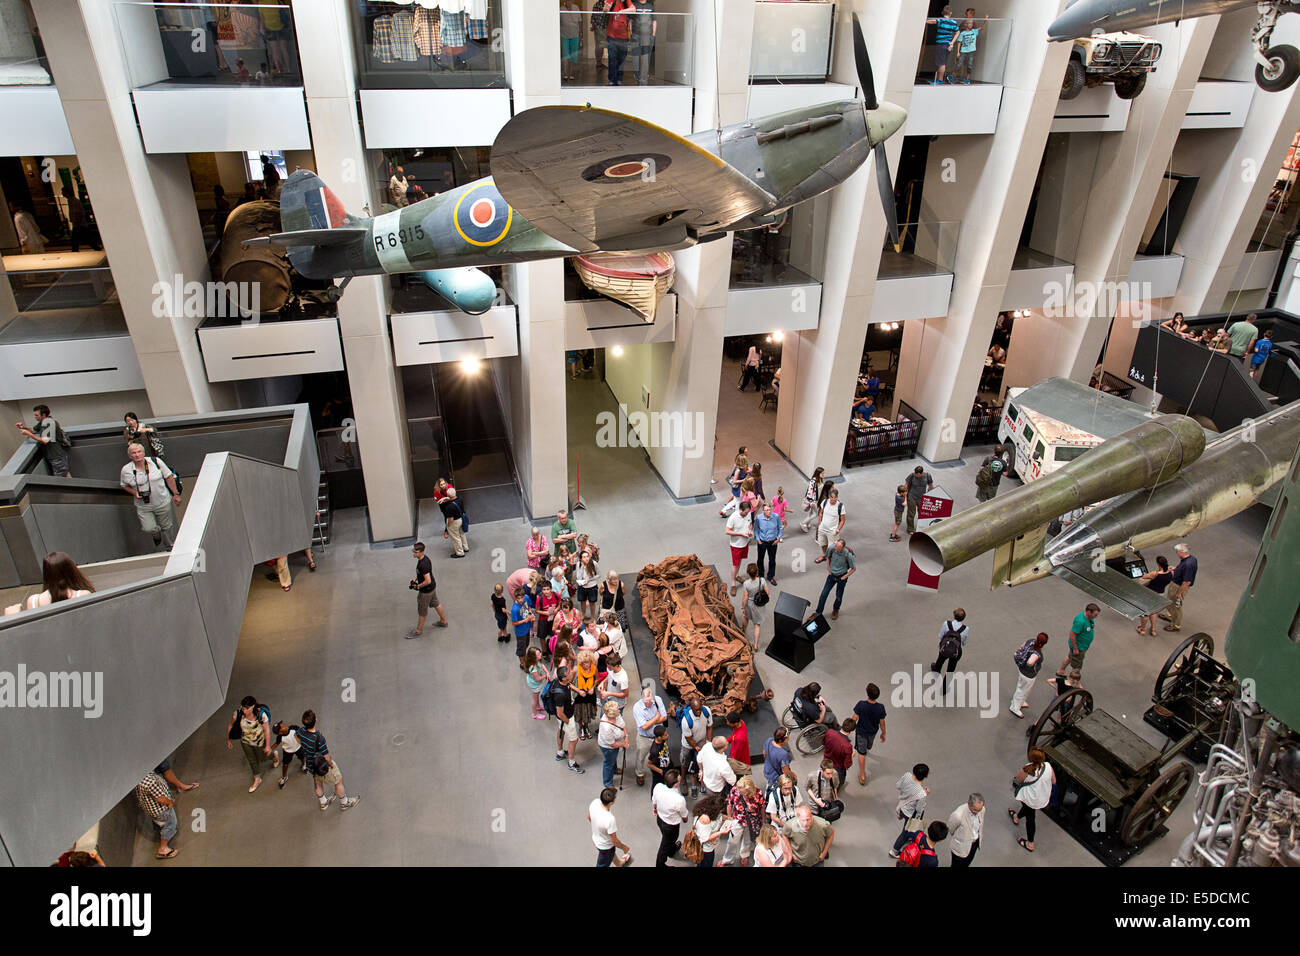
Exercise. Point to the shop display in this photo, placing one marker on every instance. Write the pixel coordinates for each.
(405, 31)
(568, 181)
(1082, 17)
(700, 649)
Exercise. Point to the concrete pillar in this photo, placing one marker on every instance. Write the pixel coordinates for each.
(1129, 178)
(144, 204)
(689, 369)
(819, 367)
(329, 80)
(1239, 169)
(942, 359)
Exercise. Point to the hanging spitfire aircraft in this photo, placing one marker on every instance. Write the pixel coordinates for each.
(1278, 67)
(567, 181)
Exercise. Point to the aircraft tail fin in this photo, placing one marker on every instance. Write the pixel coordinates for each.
(307, 204)
(1019, 556)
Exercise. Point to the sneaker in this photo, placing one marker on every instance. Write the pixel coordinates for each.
(893, 854)
(560, 755)
(772, 581)
(576, 768)
(281, 782)
(347, 803)
(894, 537)
(541, 716)
(414, 634)
(440, 624)
(324, 804)
(458, 555)
(1015, 713)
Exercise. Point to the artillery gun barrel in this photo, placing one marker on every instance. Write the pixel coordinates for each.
(1142, 457)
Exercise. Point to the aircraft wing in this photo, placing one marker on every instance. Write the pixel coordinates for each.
(584, 175)
(1111, 588)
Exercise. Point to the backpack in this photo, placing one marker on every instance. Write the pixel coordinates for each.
(950, 643)
(688, 716)
(548, 702)
(1022, 656)
(61, 437)
(984, 477)
(912, 853)
(180, 487)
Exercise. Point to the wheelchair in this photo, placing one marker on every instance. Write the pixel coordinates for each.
(809, 738)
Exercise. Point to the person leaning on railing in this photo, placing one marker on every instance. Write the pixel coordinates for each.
(62, 579)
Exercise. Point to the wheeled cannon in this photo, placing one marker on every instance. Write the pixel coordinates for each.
(1114, 790)
(1193, 692)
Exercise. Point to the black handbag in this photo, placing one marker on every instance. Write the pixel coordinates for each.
(762, 597)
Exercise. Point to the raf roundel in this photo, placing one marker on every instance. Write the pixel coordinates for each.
(482, 215)
(620, 169)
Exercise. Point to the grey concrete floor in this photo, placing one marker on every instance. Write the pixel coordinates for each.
(437, 736)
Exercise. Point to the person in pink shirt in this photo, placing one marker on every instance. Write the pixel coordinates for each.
(536, 549)
(779, 505)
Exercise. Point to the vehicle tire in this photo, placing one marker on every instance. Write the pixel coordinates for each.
(1128, 87)
(1075, 80)
(1285, 63)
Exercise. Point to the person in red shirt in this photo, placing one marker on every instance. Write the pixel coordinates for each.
(738, 748)
(617, 33)
(838, 748)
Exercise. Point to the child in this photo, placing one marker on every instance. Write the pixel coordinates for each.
(1260, 355)
(547, 604)
(780, 506)
(945, 34)
(966, 42)
(499, 609)
(536, 675)
(262, 75)
(900, 502)
(290, 747)
(242, 74)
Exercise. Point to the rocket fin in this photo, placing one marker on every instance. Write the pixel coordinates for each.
(1015, 558)
(1111, 588)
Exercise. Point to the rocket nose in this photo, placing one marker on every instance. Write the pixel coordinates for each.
(1075, 22)
(884, 121)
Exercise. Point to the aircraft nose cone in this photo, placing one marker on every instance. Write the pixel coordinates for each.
(884, 121)
(1075, 22)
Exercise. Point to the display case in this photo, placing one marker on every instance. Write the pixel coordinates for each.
(888, 442)
(792, 40)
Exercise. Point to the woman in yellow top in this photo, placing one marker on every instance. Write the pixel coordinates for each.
(584, 692)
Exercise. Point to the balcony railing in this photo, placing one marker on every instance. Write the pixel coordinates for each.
(642, 49)
(208, 44)
(977, 52)
(925, 249)
(415, 47)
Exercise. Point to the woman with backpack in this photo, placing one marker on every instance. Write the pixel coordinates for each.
(812, 498)
(536, 675)
(251, 726)
(1029, 660)
(739, 472)
(1033, 788)
(142, 434)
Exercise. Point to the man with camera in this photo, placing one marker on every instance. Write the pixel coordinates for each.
(427, 591)
(153, 485)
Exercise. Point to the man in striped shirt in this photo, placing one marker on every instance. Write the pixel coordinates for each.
(325, 772)
(945, 34)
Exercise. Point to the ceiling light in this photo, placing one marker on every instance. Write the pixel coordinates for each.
(778, 336)
(471, 366)
(618, 351)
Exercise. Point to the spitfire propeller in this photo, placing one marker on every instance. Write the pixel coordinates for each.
(882, 122)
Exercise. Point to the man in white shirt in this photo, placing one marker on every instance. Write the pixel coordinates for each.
(830, 523)
(670, 812)
(604, 830)
(397, 187)
(30, 239)
(964, 828)
(715, 769)
(752, 363)
(739, 530)
(153, 486)
(648, 712)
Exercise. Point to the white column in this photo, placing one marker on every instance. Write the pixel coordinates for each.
(1239, 167)
(144, 204)
(1130, 174)
(819, 368)
(329, 80)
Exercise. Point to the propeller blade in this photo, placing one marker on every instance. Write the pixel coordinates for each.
(886, 184)
(866, 79)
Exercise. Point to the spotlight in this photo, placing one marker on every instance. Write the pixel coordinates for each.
(471, 366)
(617, 350)
(778, 336)
(768, 340)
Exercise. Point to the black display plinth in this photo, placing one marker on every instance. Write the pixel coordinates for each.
(793, 640)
